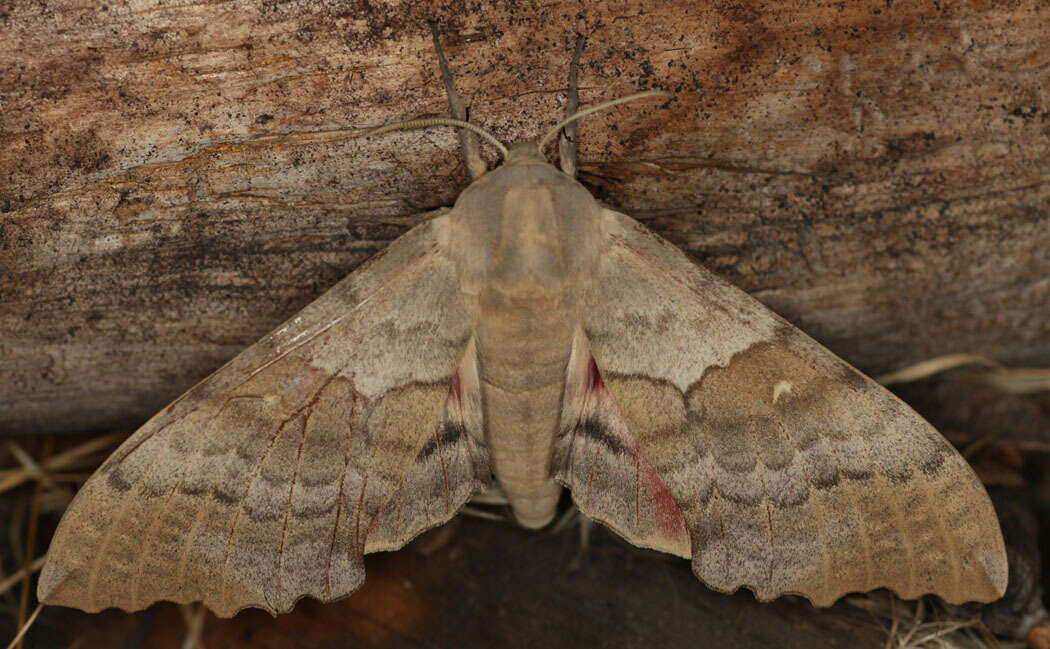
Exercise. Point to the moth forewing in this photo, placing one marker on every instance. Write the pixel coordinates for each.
(342, 431)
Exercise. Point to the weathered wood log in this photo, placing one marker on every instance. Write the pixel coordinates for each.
(176, 179)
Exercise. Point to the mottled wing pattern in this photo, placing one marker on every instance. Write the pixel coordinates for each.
(794, 472)
(349, 429)
(598, 459)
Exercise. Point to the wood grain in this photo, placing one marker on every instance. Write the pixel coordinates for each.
(177, 180)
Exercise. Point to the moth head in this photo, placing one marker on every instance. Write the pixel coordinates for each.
(525, 151)
(530, 150)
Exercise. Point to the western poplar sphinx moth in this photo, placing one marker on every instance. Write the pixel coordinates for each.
(533, 337)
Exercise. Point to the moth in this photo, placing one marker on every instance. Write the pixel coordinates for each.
(533, 337)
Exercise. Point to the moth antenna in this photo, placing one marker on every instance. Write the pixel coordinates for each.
(468, 143)
(428, 122)
(567, 141)
(594, 109)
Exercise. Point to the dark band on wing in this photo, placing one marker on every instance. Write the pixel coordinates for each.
(447, 434)
(594, 428)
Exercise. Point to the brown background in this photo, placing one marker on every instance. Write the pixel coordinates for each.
(176, 179)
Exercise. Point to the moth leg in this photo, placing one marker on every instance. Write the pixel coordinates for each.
(567, 139)
(468, 141)
(584, 528)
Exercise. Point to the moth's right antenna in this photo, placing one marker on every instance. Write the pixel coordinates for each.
(468, 143)
(594, 109)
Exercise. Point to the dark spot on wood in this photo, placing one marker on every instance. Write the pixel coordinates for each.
(910, 146)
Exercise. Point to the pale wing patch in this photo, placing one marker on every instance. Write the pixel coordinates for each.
(780, 389)
(632, 316)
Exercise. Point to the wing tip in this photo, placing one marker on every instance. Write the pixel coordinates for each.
(994, 571)
(48, 583)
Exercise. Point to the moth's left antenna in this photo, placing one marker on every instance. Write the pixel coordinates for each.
(468, 141)
(468, 133)
(427, 122)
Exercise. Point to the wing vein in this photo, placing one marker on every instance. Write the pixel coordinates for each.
(256, 470)
(717, 498)
(288, 504)
(862, 526)
(359, 544)
(339, 503)
(637, 488)
(949, 540)
(107, 538)
(769, 533)
(761, 467)
(151, 535)
(444, 473)
(814, 501)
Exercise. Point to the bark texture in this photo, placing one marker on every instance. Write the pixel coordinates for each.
(176, 179)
